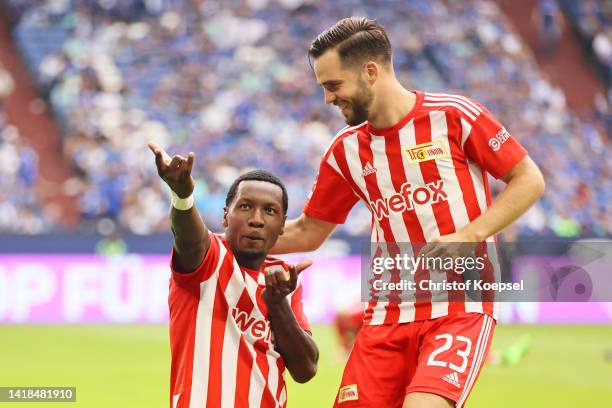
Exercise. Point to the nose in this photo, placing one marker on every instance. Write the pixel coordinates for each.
(256, 220)
(330, 97)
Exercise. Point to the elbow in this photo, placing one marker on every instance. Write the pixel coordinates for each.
(539, 185)
(314, 245)
(306, 374)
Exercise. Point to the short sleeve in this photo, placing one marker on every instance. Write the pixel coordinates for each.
(490, 145)
(204, 271)
(331, 197)
(298, 309)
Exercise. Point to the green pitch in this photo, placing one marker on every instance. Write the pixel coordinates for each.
(127, 366)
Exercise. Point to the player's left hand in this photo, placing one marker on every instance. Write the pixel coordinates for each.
(454, 246)
(279, 283)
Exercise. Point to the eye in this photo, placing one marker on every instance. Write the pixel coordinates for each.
(245, 206)
(271, 210)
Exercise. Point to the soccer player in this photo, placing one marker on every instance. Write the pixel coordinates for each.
(236, 318)
(419, 161)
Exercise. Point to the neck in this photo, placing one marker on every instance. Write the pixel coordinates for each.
(392, 105)
(249, 260)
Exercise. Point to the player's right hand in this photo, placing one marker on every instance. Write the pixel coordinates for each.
(280, 283)
(175, 171)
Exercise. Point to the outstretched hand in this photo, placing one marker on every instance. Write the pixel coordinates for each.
(279, 283)
(175, 171)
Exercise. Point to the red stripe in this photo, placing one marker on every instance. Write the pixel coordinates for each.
(365, 156)
(220, 315)
(217, 333)
(340, 156)
(280, 365)
(182, 341)
(261, 347)
(394, 153)
(456, 298)
(243, 375)
(430, 173)
(462, 170)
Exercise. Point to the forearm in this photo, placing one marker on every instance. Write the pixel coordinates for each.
(303, 234)
(191, 239)
(298, 349)
(521, 192)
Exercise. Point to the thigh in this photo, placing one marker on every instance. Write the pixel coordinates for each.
(451, 354)
(377, 371)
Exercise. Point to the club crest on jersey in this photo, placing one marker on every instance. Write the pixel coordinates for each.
(426, 151)
(348, 393)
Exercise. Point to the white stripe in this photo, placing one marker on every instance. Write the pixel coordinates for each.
(454, 99)
(175, 399)
(481, 347)
(201, 352)
(473, 107)
(452, 104)
(231, 339)
(351, 150)
(331, 160)
(446, 168)
(272, 375)
(258, 381)
(283, 396)
(479, 185)
(396, 219)
(466, 129)
(492, 255)
(483, 330)
(424, 213)
(386, 188)
(342, 132)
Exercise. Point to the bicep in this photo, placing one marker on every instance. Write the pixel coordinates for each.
(525, 167)
(313, 231)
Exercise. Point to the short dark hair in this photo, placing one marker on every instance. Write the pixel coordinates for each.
(356, 39)
(257, 175)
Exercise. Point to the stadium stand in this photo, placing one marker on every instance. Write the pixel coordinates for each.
(234, 85)
(20, 210)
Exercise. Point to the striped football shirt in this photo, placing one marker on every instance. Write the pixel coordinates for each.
(422, 178)
(222, 345)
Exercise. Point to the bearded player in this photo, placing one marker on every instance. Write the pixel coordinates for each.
(236, 318)
(420, 162)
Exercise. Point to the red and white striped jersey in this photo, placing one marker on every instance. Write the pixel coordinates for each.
(422, 178)
(221, 341)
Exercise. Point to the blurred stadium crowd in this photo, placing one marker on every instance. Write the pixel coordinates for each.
(20, 210)
(231, 81)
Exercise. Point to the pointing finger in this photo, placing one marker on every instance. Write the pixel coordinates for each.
(190, 160)
(302, 265)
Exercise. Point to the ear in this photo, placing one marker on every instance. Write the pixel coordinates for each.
(225, 217)
(371, 71)
(282, 231)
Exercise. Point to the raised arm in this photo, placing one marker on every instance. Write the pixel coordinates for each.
(191, 239)
(297, 347)
(303, 234)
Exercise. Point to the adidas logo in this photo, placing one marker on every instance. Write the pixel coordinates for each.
(452, 378)
(368, 169)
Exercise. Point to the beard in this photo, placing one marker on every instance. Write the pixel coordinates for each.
(359, 105)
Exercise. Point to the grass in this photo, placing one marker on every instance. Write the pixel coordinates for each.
(127, 366)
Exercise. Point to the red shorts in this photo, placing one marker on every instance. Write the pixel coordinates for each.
(442, 356)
